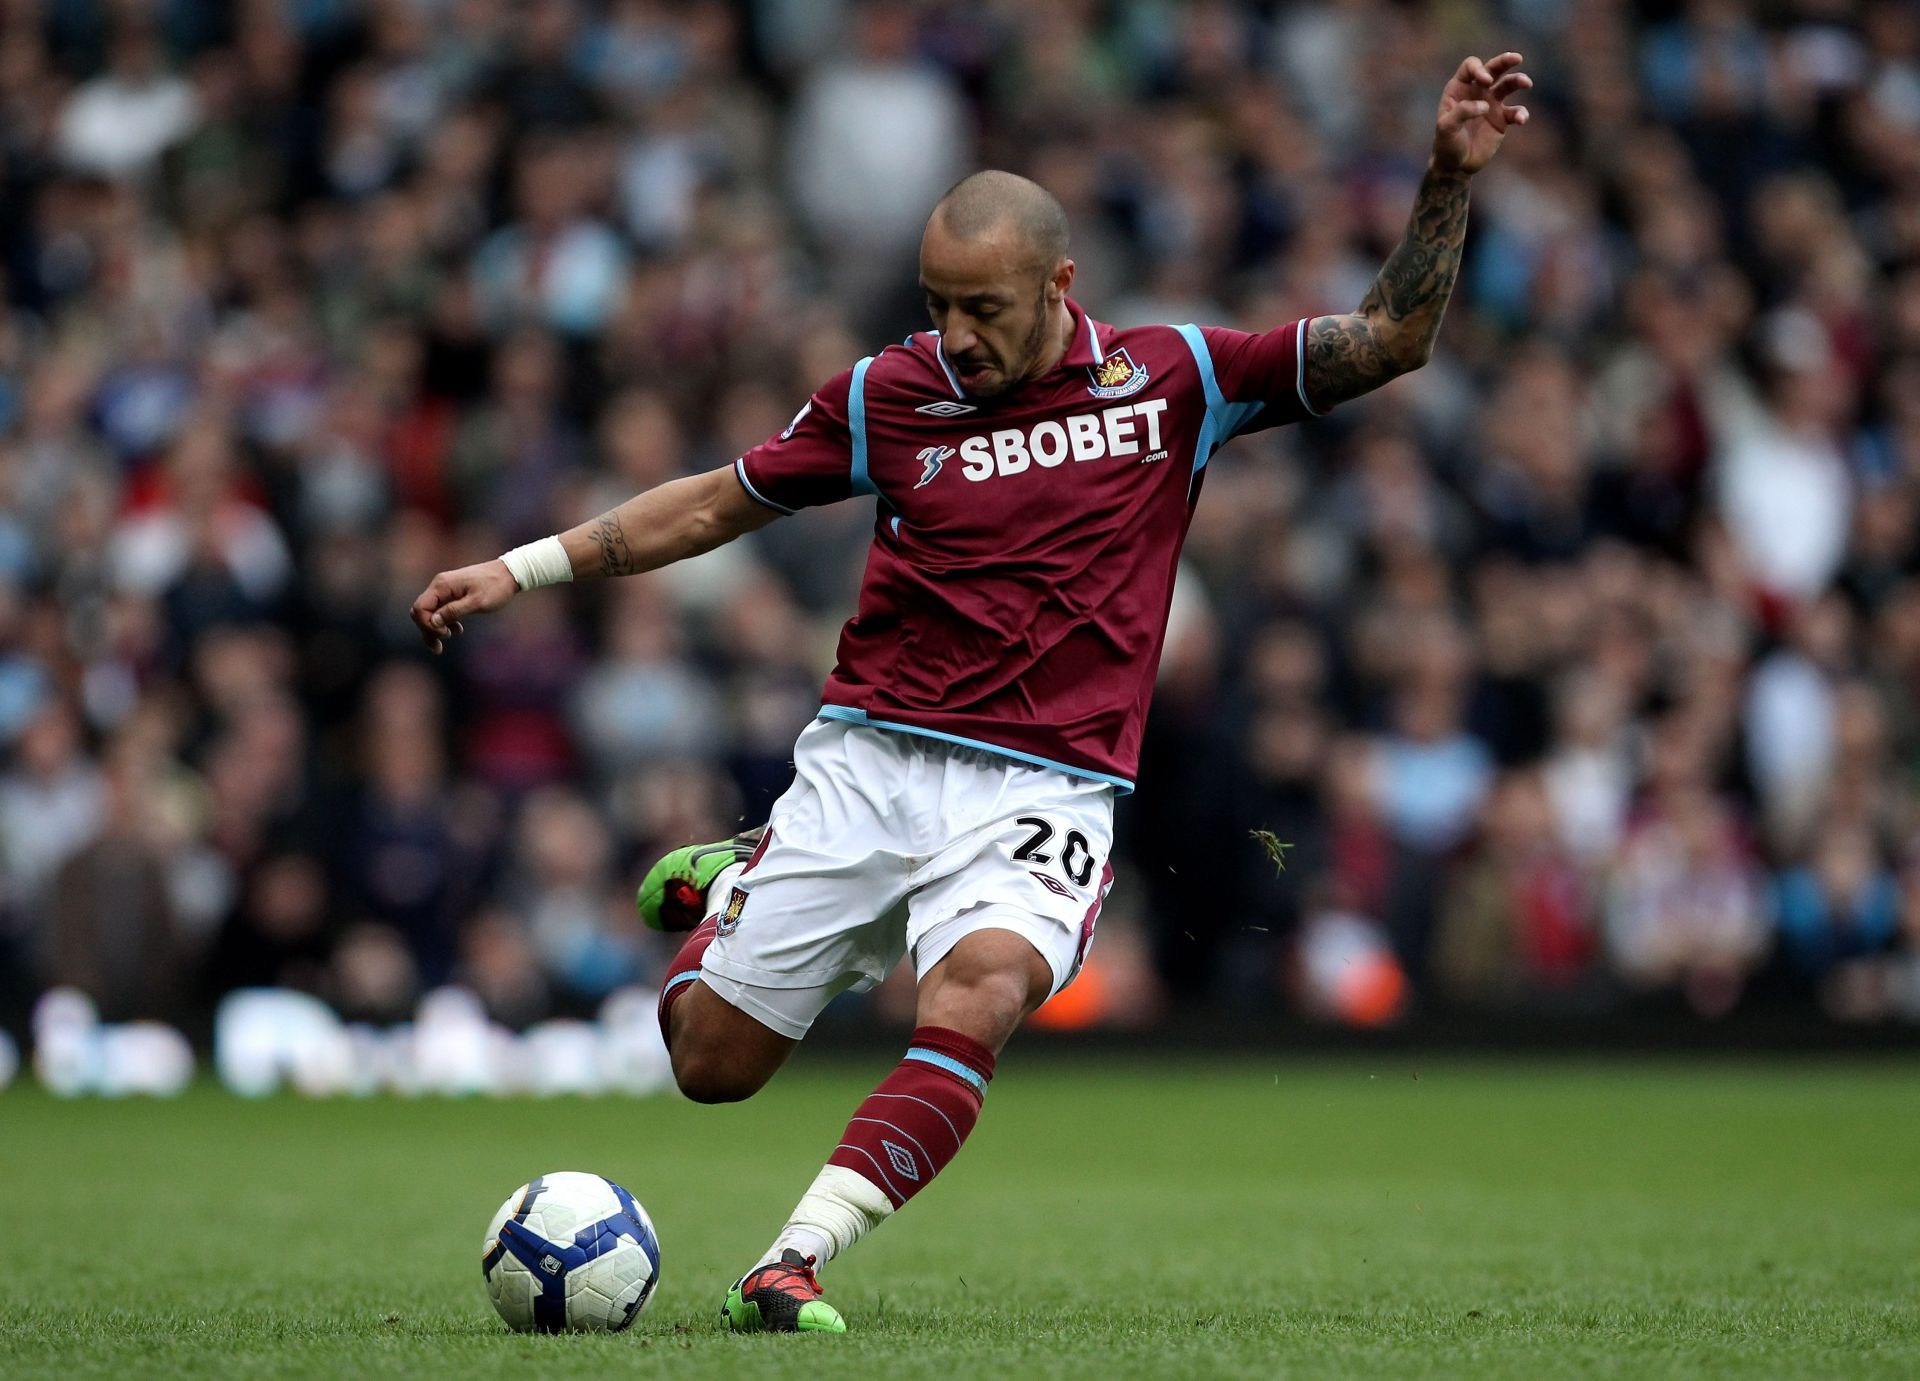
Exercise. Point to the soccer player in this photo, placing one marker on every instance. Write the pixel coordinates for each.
(1034, 472)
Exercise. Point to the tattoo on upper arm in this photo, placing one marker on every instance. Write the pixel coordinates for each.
(1394, 329)
(1344, 360)
(611, 538)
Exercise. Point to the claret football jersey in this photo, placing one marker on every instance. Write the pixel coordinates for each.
(1016, 593)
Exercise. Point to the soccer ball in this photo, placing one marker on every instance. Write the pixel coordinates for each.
(570, 1252)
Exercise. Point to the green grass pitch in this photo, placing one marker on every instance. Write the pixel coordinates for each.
(1139, 1218)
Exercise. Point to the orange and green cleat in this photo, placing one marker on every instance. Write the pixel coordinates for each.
(673, 894)
(781, 1297)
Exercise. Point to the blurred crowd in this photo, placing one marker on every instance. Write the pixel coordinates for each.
(1579, 672)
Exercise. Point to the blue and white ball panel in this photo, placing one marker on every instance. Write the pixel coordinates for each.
(570, 1251)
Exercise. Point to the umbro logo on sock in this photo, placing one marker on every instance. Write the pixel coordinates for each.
(902, 1160)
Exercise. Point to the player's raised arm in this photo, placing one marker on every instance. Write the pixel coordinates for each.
(1392, 333)
(668, 523)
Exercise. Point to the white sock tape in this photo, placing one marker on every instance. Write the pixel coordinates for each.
(839, 1208)
(539, 563)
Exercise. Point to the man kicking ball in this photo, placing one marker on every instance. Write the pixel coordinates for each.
(1034, 471)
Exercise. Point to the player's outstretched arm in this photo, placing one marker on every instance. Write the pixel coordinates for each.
(668, 523)
(1393, 331)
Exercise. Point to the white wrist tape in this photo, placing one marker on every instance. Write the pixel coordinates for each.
(539, 563)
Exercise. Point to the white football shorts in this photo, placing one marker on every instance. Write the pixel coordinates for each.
(890, 843)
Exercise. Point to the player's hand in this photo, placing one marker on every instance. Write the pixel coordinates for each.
(1475, 113)
(453, 595)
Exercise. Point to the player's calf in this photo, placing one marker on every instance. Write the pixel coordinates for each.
(720, 1054)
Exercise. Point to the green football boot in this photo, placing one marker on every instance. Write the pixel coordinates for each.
(781, 1297)
(673, 894)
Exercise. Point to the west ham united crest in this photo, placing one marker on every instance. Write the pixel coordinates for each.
(736, 903)
(1116, 376)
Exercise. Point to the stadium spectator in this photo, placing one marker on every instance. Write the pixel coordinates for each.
(120, 122)
(1841, 905)
(1683, 905)
(1517, 918)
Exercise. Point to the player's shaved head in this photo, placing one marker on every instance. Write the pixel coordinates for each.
(994, 267)
(987, 201)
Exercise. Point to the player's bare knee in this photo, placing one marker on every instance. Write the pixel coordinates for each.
(985, 990)
(705, 1075)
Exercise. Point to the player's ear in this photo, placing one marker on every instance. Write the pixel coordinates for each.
(1060, 280)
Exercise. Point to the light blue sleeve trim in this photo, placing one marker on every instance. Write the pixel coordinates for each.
(1224, 419)
(1300, 368)
(740, 469)
(857, 424)
(848, 715)
(1203, 357)
(686, 976)
(948, 1063)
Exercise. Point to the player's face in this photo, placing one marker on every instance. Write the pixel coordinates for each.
(990, 303)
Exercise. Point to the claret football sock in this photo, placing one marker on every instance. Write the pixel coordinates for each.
(684, 969)
(899, 1139)
(686, 964)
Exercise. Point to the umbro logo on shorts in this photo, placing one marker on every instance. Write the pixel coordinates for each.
(946, 407)
(1053, 885)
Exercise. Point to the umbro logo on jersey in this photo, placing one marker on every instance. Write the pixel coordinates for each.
(946, 407)
(932, 456)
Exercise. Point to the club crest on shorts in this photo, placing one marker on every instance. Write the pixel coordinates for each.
(1116, 376)
(730, 918)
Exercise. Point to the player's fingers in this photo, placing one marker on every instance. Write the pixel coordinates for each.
(1476, 72)
(431, 612)
(1506, 62)
(1515, 114)
(1460, 112)
(1512, 82)
(427, 635)
(456, 609)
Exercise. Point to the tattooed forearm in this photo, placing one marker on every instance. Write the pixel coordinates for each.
(611, 538)
(665, 524)
(1418, 277)
(1394, 329)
